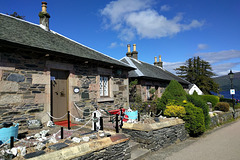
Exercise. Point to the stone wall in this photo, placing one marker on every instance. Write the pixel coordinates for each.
(158, 138)
(109, 148)
(25, 89)
(21, 96)
(117, 151)
(219, 118)
(158, 85)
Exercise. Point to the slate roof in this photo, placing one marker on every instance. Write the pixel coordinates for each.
(17, 31)
(150, 71)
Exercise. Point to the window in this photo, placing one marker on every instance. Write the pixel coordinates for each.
(104, 86)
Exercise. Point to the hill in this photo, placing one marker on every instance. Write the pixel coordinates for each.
(225, 83)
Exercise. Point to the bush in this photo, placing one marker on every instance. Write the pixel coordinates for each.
(222, 106)
(174, 111)
(210, 98)
(229, 101)
(194, 120)
(199, 102)
(174, 91)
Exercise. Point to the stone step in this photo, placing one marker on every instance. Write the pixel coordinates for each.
(139, 154)
(133, 145)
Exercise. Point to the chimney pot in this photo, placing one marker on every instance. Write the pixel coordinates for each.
(44, 7)
(134, 52)
(160, 58)
(155, 59)
(134, 47)
(128, 46)
(128, 54)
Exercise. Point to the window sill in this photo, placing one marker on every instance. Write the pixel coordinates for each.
(105, 99)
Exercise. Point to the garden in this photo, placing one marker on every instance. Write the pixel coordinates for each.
(196, 110)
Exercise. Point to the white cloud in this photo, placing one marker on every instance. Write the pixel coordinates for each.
(165, 8)
(115, 11)
(113, 45)
(224, 68)
(170, 66)
(214, 57)
(137, 17)
(202, 46)
(221, 62)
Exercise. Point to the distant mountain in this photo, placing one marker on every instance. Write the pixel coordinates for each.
(225, 83)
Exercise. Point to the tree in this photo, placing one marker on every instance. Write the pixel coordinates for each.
(15, 14)
(199, 72)
(174, 91)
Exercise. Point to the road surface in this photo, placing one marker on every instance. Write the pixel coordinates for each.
(222, 143)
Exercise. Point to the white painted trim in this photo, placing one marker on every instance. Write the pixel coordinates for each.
(139, 73)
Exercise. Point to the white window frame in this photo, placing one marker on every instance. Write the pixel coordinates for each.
(104, 86)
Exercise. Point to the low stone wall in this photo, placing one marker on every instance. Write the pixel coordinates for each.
(117, 151)
(111, 148)
(218, 118)
(158, 135)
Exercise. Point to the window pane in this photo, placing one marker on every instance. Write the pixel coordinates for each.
(101, 86)
(105, 86)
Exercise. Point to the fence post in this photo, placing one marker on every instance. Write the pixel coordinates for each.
(121, 118)
(138, 116)
(101, 123)
(95, 123)
(69, 120)
(11, 142)
(61, 132)
(117, 129)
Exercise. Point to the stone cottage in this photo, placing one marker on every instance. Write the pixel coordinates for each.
(148, 76)
(43, 73)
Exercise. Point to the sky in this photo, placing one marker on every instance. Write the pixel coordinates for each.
(175, 29)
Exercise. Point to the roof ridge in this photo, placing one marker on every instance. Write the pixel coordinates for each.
(19, 19)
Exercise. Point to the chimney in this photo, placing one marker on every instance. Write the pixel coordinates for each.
(155, 61)
(134, 52)
(44, 17)
(160, 63)
(128, 54)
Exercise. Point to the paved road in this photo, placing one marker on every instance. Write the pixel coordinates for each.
(220, 144)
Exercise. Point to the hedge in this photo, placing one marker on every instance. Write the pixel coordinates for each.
(210, 98)
(199, 102)
(194, 120)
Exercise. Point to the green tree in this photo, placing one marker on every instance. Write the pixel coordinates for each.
(174, 91)
(199, 72)
(199, 102)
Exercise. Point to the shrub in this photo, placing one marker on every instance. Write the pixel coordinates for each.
(174, 111)
(210, 98)
(199, 102)
(222, 106)
(194, 120)
(229, 101)
(174, 91)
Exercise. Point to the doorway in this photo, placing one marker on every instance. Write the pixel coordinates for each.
(59, 94)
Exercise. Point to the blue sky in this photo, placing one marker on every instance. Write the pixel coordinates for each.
(175, 29)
